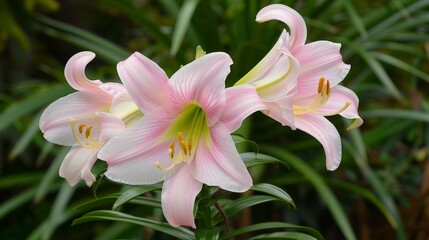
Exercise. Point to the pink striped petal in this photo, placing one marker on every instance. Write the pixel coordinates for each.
(320, 59)
(338, 97)
(241, 101)
(217, 162)
(178, 198)
(132, 154)
(81, 106)
(110, 126)
(77, 165)
(75, 72)
(281, 110)
(323, 130)
(144, 80)
(202, 81)
(290, 17)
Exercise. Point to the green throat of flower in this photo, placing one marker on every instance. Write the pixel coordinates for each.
(184, 136)
(323, 93)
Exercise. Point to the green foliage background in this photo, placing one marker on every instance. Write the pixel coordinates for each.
(380, 190)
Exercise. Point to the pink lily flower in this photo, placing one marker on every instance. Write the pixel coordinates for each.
(86, 119)
(312, 86)
(184, 138)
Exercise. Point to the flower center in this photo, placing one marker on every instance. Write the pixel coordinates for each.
(82, 135)
(190, 126)
(323, 93)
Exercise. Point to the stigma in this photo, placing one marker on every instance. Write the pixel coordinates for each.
(82, 135)
(184, 155)
(323, 93)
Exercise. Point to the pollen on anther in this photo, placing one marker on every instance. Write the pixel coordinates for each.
(321, 83)
(88, 131)
(81, 126)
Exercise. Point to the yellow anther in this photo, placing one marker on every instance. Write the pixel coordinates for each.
(88, 132)
(190, 146)
(321, 84)
(179, 137)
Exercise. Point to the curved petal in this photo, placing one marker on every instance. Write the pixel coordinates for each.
(178, 198)
(132, 154)
(339, 96)
(77, 165)
(217, 162)
(320, 59)
(290, 17)
(323, 130)
(110, 126)
(202, 81)
(75, 72)
(241, 101)
(281, 110)
(144, 80)
(81, 106)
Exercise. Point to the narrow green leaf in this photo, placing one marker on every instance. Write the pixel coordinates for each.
(253, 159)
(212, 234)
(28, 178)
(273, 225)
(397, 113)
(133, 193)
(317, 181)
(401, 64)
(354, 17)
(182, 23)
(274, 191)
(25, 138)
(50, 175)
(284, 235)
(178, 232)
(31, 103)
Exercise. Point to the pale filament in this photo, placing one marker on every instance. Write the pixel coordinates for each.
(323, 93)
(82, 135)
(184, 155)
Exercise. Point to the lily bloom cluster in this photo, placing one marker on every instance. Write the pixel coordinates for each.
(178, 130)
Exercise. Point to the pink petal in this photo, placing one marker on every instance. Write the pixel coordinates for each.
(320, 59)
(281, 110)
(144, 80)
(178, 198)
(241, 101)
(75, 72)
(77, 165)
(323, 130)
(132, 154)
(202, 81)
(217, 162)
(338, 97)
(110, 126)
(290, 17)
(81, 106)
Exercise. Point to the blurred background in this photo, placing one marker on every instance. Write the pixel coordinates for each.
(380, 190)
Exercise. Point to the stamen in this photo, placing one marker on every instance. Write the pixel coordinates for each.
(346, 105)
(182, 157)
(321, 83)
(84, 139)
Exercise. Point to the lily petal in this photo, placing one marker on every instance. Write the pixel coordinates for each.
(281, 110)
(241, 101)
(202, 81)
(323, 130)
(290, 17)
(132, 154)
(77, 165)
(81, 106)
(178, 198)
(320, 59)
(217, 162)
(339, 96)
(75, 72)
(110, 126)
(144, 80)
